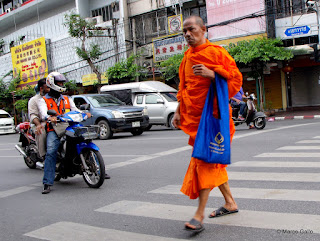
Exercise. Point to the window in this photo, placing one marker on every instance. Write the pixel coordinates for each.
(79, 101)
(139, 99)
(283, 8)
(105, 12)
(170, 97)
(152, 99)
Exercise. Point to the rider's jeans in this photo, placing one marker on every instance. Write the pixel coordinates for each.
(242, 105)
(53, 143)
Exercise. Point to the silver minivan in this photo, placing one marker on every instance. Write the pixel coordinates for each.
(158, 98)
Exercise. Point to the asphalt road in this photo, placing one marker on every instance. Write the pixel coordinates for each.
(274, 179)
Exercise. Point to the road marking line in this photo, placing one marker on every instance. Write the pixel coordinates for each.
(147, 157)
(245, 218)
(308, 142)
(14, 191)
(316, 137)
(289, 154)
(292, 148)
(66, 231)
(254, 193)
(273, 176)
(275, 164)
(11, 149)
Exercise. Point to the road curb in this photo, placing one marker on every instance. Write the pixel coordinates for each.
(300, 117)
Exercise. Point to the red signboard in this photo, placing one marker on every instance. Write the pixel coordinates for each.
(224, 10)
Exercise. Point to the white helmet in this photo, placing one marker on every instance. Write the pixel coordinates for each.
(54, 77)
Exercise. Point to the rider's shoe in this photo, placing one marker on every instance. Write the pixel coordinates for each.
(39, 165)
(46, 189)
(241, 118)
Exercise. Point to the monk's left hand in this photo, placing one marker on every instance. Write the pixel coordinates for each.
(200, 69)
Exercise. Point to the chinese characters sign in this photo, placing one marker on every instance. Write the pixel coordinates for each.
(167, 46)
(30, 61)
(223, 10)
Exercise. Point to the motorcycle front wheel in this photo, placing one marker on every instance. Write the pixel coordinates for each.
(260, 123)
(94, 175)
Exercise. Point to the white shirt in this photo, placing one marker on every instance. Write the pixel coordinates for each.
(43, 109)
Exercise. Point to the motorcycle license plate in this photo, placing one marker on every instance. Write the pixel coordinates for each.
(136, 124)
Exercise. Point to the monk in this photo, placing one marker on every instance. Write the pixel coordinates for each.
(197, 70)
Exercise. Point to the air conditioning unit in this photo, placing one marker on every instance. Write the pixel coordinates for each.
(8, 10)
(95, 20)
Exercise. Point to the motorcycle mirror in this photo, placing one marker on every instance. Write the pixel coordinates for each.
(51, 112)
(247, 93)
(85, 107)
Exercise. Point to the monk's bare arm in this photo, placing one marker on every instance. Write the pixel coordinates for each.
(176, 118)
(200, 69)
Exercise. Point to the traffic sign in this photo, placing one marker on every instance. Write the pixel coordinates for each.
(297, 31)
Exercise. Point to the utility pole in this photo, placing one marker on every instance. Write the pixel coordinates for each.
(291, 10)
(134, 42)
(314, 5)
(115, 33)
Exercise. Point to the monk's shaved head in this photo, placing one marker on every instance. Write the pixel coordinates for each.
(198, 20)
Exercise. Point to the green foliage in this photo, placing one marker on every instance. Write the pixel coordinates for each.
(259, 50)
(124, 71)
(22, 105)
(71, 85)
(170, 67)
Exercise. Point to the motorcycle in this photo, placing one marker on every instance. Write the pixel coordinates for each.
(77, 154)
(250, 114)
(28, 147)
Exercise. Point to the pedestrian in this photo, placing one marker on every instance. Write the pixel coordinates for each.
(197, 70)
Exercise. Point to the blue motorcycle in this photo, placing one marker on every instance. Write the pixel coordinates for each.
(77, 154)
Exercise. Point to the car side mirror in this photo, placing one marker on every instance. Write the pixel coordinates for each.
(160, 101)
(85, 107)
(51, 112)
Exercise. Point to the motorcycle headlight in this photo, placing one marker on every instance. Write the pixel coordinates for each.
(117, 114)
(145, 111)
(76, 117)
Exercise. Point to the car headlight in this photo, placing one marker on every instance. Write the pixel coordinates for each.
(117, 114)
(145, 111)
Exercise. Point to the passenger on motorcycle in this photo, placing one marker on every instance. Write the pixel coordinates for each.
(236, 102)
(37, 124)
(61, 104)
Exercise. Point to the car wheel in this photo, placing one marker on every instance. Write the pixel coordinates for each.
(148, 128)
(105, 130)
(137, 132)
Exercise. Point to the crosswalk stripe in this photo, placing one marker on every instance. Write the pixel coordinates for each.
(14, 191)
(275, 164)
(245, 218)
(66, 231)
(253, 193)
(274, 176)
(308, 142)
(290, 148)
(316, 137)
(289, 154)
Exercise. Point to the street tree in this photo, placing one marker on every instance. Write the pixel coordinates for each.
(256, 54)
(81, 29)
(170, 68)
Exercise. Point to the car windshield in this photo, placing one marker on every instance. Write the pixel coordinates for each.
(170, 96)
(104, 100)
(5, 116)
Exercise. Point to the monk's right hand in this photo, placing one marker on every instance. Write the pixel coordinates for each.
(176, 120)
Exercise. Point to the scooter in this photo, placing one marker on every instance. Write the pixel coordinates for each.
(250, 114)
(28, 147)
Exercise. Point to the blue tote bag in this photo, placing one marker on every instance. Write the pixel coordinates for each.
(212, 142)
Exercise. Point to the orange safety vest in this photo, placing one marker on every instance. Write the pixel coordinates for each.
(63, 107)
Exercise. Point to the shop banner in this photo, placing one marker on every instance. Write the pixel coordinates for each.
(167, 46)
(29, 60)
(90, 79)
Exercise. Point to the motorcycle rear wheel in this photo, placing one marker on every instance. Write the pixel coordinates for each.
(95, 175)
(31, 164)
(260, 123)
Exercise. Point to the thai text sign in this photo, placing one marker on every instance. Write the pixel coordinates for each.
(167, 46)
(224, 10)
(30, 61)
(297, 31)
(90, 79)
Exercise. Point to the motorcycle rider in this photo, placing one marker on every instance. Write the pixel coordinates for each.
(37, 124)
(61, 104)
(237, 102)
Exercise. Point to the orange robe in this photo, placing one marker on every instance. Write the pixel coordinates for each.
(192, 96)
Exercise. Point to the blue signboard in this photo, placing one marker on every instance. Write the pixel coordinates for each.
(297, 31)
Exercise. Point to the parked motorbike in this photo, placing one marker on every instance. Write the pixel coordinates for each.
(77, 154)
(250, 114)
(28, 147)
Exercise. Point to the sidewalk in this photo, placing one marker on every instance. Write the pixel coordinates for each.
(301, 113)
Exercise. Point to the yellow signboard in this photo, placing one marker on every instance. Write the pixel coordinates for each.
(90, 79)
(30, 61)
